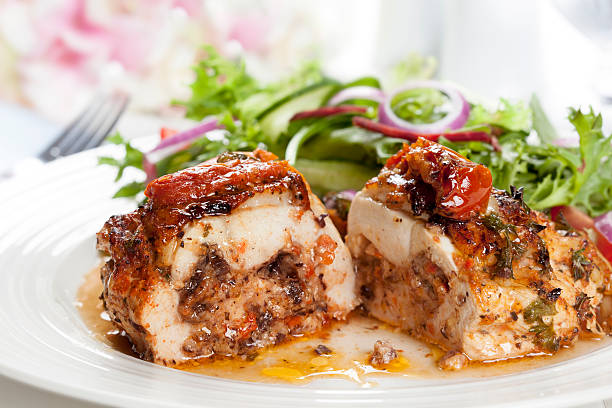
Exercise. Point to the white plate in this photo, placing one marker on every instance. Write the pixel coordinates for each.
(47, 235)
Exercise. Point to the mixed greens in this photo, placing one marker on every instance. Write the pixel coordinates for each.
(335, 153)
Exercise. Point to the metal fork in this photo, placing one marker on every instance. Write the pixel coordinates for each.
(90, 128)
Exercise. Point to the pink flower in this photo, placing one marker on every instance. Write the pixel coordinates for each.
(250, 31)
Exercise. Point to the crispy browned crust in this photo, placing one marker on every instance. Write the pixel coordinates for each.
(216, 188)
(500, 246)
(129, 275)
(135, 269)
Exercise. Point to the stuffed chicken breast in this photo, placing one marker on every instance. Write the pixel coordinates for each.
(224, 258)
(472, 269)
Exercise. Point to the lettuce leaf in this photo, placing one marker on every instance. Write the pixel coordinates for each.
(551, 175)
(592, 190)
(509, 116)
(218, 86)
(336, 155)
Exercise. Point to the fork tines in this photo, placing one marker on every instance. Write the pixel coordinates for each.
(90, 128)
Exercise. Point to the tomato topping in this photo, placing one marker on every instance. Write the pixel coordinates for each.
(466, 189)
(462, 187)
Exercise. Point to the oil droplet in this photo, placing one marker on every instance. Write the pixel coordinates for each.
(398, 365)
(285, 373)
(319, 361)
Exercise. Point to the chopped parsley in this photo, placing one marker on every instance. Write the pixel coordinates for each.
(581, 266)
(545, 335)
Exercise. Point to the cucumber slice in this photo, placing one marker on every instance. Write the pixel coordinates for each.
(350, 144)
(363, 81)
(332, 175)
(307, 132)
(275, 119)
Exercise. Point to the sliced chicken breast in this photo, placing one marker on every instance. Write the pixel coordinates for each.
(472, 269)
(224, 259)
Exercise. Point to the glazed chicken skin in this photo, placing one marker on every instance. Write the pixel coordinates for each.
(224, 258)
(446, 257)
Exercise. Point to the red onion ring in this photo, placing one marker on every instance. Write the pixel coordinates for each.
(348, 194)
(357, 92)
(567, 142)
(174, 143)
(455, 119)
(206, 125)
(149, 168)
(387, 130)
(473, 136)
(328, 111)
(392, 131)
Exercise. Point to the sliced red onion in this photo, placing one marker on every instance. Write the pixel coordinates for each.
(411, 136)
(473, 136)
(149, 168)
(387, 130)
(328, 111)
(357, 92)
(348, 194)
(567, 142)
(455, 119)
(175, 143)
(206, 125)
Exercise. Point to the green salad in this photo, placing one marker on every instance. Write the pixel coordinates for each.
(339, 134)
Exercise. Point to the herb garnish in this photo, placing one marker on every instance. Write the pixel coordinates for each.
(544, 333)
(581, 266)
(581, 301)
(517, 194)
(509, 250)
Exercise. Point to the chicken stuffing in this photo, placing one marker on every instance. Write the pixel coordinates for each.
(224, 258)
(472, 269)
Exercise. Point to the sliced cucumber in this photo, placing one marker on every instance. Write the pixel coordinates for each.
(363, 81)
(307, 132)
(332, 175)
(351, 144)
(275, 119)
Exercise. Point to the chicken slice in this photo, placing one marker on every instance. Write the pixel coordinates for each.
(225, 258)
(474, 270)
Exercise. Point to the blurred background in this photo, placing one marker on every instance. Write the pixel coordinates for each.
(56, 54)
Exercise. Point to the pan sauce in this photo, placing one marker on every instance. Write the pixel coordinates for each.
(351, 344)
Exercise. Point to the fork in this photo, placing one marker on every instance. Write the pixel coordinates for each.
(90, 128)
